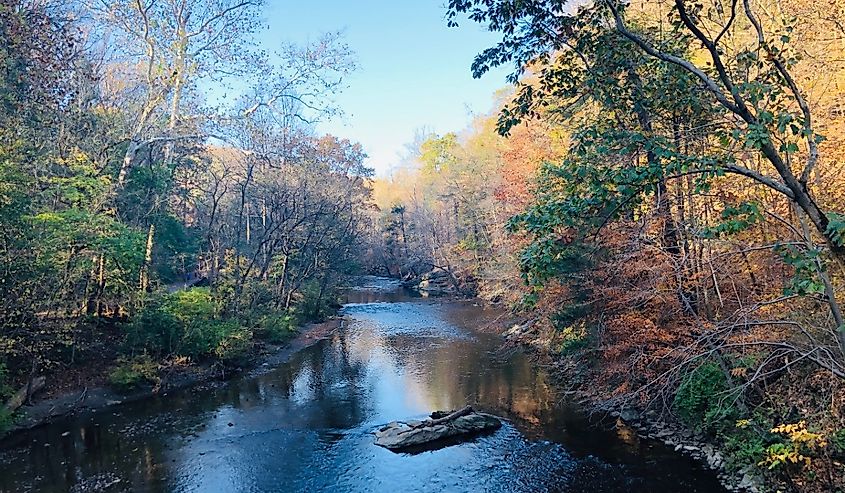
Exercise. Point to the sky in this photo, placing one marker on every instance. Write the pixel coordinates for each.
(414, 71)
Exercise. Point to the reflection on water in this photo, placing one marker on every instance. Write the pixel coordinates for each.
(307, 426)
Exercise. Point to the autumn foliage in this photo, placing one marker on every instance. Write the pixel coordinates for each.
(668, 188)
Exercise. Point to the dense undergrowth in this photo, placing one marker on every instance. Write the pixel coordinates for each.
(193, 326)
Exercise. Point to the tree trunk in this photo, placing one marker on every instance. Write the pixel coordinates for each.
(144, 283)
(94, 305)
(128, 159)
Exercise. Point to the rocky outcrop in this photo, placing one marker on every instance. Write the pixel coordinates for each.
(400, 435)
(436, 282)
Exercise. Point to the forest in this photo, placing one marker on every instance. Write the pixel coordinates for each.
(658, 195)
(122, 183)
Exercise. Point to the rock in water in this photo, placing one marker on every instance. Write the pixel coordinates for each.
(401, 435)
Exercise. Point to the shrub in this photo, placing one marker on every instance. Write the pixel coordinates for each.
(797, 449)
(574, 337)
(6, 418)
(154, 329)
(743, 446)
(130, 373)
(256, 300)
(233, 347)
(837, 439)
(190, 305)
(575, 311)
(186, 323)
(315, 305)
(201, 337)
(217, 338)
(277, 327)
(704, 401)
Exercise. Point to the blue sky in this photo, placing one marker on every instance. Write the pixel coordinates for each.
(414, 70)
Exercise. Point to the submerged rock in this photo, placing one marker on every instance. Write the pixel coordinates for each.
(442, 425)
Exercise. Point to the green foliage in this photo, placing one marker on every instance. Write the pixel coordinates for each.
(836, 228)
(548, 257)
(192, 305)
(837, 440)
(277, 327)
(187, 323)
(735, 219)
(528, 301)
(232, 343)
(154, 329)
(133, 372)
(743, 445)
(575, 310)
(175, 249)
(439, 154)
(797, 447)
(574, 337)
(704, 401)
(315, 304)
(805, 262)
(742, 451)
(225, 340)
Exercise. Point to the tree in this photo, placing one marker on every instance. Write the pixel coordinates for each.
(758, 108)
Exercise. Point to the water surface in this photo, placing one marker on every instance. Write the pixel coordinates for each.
(307, 425)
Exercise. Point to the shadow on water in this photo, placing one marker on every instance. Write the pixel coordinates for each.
(307, 425)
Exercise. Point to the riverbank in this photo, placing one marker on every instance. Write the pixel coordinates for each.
(570, 375)
(86, 390)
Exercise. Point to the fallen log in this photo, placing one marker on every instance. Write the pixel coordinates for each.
(21, 396)
(448, 417)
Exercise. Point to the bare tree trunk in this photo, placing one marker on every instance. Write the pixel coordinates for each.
(128, 159)
(282, 282)
(144, 283)
(94, 306)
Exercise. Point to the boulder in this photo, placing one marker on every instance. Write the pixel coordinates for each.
(441, 425)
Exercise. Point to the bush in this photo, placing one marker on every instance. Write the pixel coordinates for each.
(277, 327)
(575, 311)
(233, 347)
(155, 330)
(186, 323)
(798, 448)
(131, 373)
(704, 401)
(314, 305)
(743, 446)
(574, 337)
(190, 305)
(837, 440)
(215, 338)
(6, 418)
(256, 300)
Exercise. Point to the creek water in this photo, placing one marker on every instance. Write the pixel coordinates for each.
(307, 425)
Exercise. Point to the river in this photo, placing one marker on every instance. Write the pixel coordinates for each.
(307, 425)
